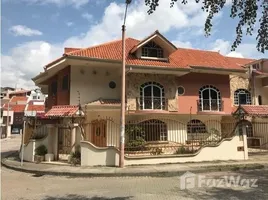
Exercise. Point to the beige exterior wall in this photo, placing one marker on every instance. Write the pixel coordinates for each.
(227, 150)
(93, 83)
(109, 156)
(134, 81)
(260, 130)
(265, 66)
(237, 82)
(94, 156)
(262, 91)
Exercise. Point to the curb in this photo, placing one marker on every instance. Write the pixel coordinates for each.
(236, 167)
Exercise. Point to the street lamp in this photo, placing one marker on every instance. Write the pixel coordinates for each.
(123, 92)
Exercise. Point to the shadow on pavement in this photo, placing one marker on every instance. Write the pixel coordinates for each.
(81, 197)
(11, 153)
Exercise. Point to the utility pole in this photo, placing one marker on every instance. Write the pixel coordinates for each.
(123, 93)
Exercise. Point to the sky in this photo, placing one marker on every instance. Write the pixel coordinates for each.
(35, 32)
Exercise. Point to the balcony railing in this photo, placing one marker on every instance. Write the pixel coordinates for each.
(151, 103)
(209, 105)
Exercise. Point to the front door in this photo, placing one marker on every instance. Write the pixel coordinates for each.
(98, 133)
(64, 143)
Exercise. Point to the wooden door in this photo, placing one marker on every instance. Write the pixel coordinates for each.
(98, 133)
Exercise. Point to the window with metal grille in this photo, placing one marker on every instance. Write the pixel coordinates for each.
(248, 126)
(196, 126)
(54, 87)
(242, 97)
(209, 99)
(154, 130)
(152, 96)
(151, 49)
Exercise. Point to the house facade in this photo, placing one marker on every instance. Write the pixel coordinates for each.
(177, 101)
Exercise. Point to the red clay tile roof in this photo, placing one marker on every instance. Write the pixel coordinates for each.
(256, 110)
(69, 49)
(15, 107)
(37, 108)
(20, 92)
(62, 111)
(105, 102)
(239, 61)
(181, 58)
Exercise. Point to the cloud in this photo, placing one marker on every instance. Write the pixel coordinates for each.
(75, 3)
(181, 44)
(235, 54)
(222, 46)
(69, 23)
(20, 30)
(87, 16)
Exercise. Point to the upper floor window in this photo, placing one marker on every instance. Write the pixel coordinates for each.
(151, 49)
(65, 82)
(152, 96)
(260, 100)
(34, 97)
(242, 97)
(209, 99)
(256, 66)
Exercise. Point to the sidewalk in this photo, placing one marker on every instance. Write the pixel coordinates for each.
(257, 162)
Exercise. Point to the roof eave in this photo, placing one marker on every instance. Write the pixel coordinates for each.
(218, 68)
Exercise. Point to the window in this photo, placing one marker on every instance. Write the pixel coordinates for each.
(65, 82)
(256, 66)
(152, 96)
(209, 99)
(196, 126)
(260, 100)
(154, 130)
(181, 90)
(151, 49)
(54, 87)
(242, 97)
(34, 97)
(112, 85)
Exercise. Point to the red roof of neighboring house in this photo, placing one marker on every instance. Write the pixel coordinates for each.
(37, 108)
(62, 111)
(255, 110)
(239, 61)
(180, 58)
(19, 98)
(15, 107)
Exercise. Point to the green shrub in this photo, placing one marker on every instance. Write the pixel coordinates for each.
(41, 150)
(135, 145)
(76, 156)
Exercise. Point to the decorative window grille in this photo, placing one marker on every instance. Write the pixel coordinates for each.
(151, 49)
(242, 97)
(209, 99)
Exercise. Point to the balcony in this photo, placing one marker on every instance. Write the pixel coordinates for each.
(210, 105)
(151, 103)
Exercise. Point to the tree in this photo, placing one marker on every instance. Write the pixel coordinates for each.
(246, 12)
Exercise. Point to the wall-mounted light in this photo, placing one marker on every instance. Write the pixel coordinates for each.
(94, 72)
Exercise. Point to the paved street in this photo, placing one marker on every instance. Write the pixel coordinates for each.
(18, 185)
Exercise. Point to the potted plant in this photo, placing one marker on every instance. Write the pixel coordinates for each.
(76, 156)
(40, 153)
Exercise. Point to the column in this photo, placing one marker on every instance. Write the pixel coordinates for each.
(245, 142)
(73, 138)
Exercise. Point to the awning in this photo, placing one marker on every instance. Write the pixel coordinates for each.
(64, 111)
(252, 110)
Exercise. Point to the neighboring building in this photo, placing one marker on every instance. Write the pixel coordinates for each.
(5, 92)
(176, 99)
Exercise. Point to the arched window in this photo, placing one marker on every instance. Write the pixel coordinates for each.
(152, 96)
(154, 130)
(242, 97)
(260, 100)
(249, 128)
(151, 49)
(209, 99)
(196, 126)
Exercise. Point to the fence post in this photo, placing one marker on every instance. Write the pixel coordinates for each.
(245, 142)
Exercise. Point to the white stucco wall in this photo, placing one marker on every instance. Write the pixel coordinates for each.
(95, 156)
(260, 130)
(29, 149)
(93, 83)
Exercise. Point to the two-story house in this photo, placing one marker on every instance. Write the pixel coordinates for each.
(174, 96)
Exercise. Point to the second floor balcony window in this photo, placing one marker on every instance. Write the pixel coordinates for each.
(152, 96)
(242, 97)
(209, 99)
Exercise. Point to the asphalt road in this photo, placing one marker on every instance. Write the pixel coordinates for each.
(22, 186)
